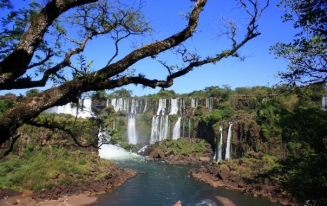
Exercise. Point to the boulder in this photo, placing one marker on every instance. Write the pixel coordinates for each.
(224, 173)
(157, 153)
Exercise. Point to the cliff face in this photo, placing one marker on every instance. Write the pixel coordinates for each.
(245, 136)
(156, 118)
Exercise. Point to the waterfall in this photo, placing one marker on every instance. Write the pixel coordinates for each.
(229, 136)
(145, 105)
(103, 136)
(133, 107)
(218, 155)
(189, 127)
(84, 109)
(161, 107)
(177, 129)
(154, 131)
(159, 128)
(323, 103)
(173, 106)
(194, 103)
(164, 127)
(131, 130)
(209, 104)
(107, 103)
(183, 128)
(160, 122)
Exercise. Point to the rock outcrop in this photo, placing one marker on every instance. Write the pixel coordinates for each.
(221, 176)
(161, 151)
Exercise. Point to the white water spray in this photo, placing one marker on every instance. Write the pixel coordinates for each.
(218, 155)
(177, 129)
(131, 129)
(229, 136)
(173, 106)
(83, 111)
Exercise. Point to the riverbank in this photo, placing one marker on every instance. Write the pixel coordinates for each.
(74, 200)
(217, 176)
(76, 194)
(238, 174)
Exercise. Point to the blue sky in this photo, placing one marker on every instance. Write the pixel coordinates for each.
(260, 68)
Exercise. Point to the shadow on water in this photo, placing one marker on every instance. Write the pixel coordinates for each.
(159, 183)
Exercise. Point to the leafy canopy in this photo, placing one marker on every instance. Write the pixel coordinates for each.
(307, 54)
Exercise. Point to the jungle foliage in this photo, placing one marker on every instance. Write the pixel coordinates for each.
(307, 53)
(35, 171)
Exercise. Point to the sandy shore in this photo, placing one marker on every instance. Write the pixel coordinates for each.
(75, 200)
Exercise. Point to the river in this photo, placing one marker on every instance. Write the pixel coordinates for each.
(161, 184)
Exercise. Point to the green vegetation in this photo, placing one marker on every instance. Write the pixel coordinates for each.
(32, 92)
(5, 105)
(279, 135)
(307, 52)
(50, 166)
(251, 165)
(184, 146)
(304, 171)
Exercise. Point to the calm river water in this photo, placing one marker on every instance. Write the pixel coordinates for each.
(159, 183)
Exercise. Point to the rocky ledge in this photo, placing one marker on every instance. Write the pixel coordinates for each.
(115, 178)
(217, 176)
(184, 151)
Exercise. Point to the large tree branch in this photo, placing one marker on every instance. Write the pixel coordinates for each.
(23, 83)
(156, 47)
(15, 65)
(31, 107)
(109, 76)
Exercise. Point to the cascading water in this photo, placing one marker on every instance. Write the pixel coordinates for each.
(189, 127)
(87, 109)
(154, 131)
(183, 128)
(109, 151)
(173, 106)
(159, 128)
(131, 129)
(84, 109)
(194, 103)
(218, 154)
(324, 103)
(160, 123)
(229, 136)
(177, 129)
(209, 104)
(145, 105)
(181, 106)
(133, 107)
(161, 107)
